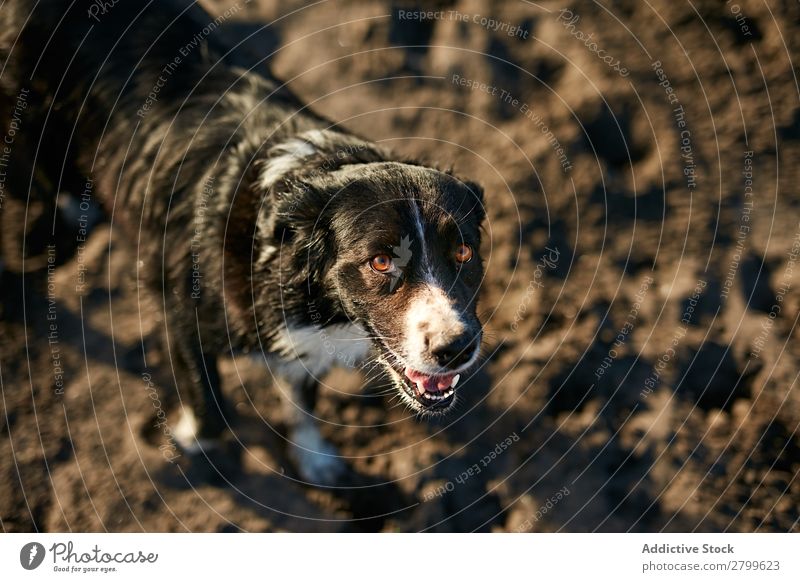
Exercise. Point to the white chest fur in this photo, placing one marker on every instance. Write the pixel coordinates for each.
(313, 350)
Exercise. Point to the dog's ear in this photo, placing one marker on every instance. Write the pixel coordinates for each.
(294, 183)
(294, 225)
(283, 205)
(476, 189)
(476, 202)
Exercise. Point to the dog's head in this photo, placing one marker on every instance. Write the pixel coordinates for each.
(396, 247)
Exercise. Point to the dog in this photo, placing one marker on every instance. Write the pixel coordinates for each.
(259, 225)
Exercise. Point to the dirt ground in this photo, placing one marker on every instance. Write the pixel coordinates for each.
(641, 165)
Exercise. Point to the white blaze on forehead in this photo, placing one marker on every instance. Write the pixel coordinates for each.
(430, 315)
(425, 261)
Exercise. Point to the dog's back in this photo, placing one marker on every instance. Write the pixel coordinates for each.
(103, 70)
(141, 97)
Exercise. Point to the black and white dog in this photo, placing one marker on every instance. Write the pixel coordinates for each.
(259, 225)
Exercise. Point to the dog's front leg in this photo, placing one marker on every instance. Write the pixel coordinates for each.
(317, 461)
(204, 414)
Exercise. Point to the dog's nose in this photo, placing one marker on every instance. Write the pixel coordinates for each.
(452, 353)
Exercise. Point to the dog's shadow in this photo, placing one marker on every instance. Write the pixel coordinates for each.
(368, 499)
(275, 489)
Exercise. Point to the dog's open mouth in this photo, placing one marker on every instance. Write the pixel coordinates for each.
(428, 392)
(433, 388)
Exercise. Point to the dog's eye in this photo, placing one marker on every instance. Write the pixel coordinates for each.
(382, 263)
(463, 253)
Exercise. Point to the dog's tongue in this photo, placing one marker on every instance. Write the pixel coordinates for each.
(429, 383)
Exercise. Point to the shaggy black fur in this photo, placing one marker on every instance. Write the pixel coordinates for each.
(139, 107)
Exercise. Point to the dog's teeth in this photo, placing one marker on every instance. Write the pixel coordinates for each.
(456, 378)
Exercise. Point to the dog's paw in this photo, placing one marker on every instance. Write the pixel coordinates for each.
(204, 460)
(186, 436)
(317, 461)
